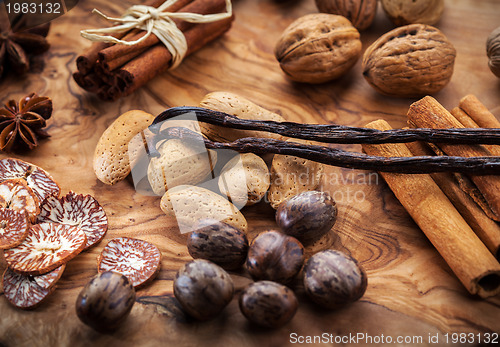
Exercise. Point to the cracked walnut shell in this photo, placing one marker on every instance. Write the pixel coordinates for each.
(409, 61)
(318, 47)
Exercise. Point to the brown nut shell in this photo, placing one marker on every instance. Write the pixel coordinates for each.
(493, 51)
(105, 301)
(403, 12)
(218, 242)
(360, 12)
(333, 279)
(203, 289)
(317, 48)
(409, 61)
(307, 216)
(275, 256)
(268, 304)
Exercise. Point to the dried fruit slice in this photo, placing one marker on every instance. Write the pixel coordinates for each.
(138, 260)
(38, 180)
(16, 195)
(13, 228)
(82, 211)
(29, 291)
(47, 246)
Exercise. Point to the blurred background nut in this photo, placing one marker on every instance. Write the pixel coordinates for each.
(402, 12)
(317, 48)
(493, 51)
(409, 61)
(360, 12)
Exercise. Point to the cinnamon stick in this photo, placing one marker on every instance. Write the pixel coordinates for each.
(90, 82)
(486, 229)
(471, 105)
(440, 221)
(108, 55)
(428, 113)
(86, 61)
(158, 59)
(468, 122)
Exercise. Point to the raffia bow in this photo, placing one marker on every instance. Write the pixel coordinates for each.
(154, 21)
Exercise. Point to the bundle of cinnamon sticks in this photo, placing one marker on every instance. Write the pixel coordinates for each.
(457, 213)
(114, 70)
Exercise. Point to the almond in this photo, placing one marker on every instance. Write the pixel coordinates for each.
(111, 156)
(244, 179)
(189, 204)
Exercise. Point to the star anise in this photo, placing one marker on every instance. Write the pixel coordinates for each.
(21, 123)
(17, 47)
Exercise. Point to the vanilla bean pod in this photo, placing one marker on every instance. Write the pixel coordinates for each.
(329, 133)
(336, 157)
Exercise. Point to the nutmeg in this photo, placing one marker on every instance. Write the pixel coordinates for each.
(268, 304)
(402, 12)
(360, 12)
(105, 302)
(275, 256)
(333, 279)
(203, 289)
(493, 51)
(317, 48)
(218, 242)
(307, 216)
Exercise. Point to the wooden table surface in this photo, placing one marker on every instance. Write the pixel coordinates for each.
(411, 291)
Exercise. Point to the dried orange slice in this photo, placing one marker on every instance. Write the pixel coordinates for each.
(39, 180)
(138, 260)
(16, 195)
(82, 211)
(46, 247)
(29, 291)
(13, 228)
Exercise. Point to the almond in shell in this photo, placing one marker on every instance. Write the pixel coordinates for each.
(190, 204)
(111, 156)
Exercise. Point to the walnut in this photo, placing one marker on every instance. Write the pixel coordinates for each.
(402, 12)
(409, 61)
(493, 51)
(360, 12)
(317, 48)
